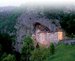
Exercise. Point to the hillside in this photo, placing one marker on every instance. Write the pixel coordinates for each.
(8, 18)
(19, 21)
(63, 53)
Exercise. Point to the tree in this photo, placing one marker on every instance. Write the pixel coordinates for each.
(68, 23)
(3, 56)
(6, 42)
(40, 54)
(9, 57)
(52, 48)
(27, 48)
(0, 50)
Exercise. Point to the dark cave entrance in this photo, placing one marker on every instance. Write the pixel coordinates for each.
(38, 27)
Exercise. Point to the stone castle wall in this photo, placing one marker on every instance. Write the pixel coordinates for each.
(47, 38)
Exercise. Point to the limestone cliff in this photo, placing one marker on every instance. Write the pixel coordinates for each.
(25, 21)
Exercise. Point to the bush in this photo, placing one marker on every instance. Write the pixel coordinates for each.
(52, 48)
(28, 46)
(3, 55)
(9, 57)
(6, 42)
(40, 54)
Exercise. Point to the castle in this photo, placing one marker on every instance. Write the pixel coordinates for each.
(43, 36)
(42, 29)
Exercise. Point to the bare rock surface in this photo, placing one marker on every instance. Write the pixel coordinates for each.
(25, 21)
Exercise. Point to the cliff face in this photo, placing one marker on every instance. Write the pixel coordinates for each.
(25, 21)
(24, 18)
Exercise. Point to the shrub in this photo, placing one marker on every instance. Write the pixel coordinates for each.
(3, 55)
(27, 48)
(40, 54)
(52, 48)
(9, 57)
(6, 42)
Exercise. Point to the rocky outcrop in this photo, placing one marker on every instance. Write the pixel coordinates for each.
(24, 25)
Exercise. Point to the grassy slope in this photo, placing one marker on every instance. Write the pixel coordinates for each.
(63, 53)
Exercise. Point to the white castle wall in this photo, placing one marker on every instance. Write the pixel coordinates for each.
(47, 38)
(54, 37)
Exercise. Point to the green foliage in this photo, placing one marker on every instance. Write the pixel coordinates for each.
(6, 47)
(9, 57)
(52, 48)
(0, 50)
(8, 21)
(68, 22)
(40, 54)
(3, 56)
(63, 53)
(67, 19)
(28, 47)
(6, 42)
(0, 47)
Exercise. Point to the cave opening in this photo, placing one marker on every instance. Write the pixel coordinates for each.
(38, 27)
